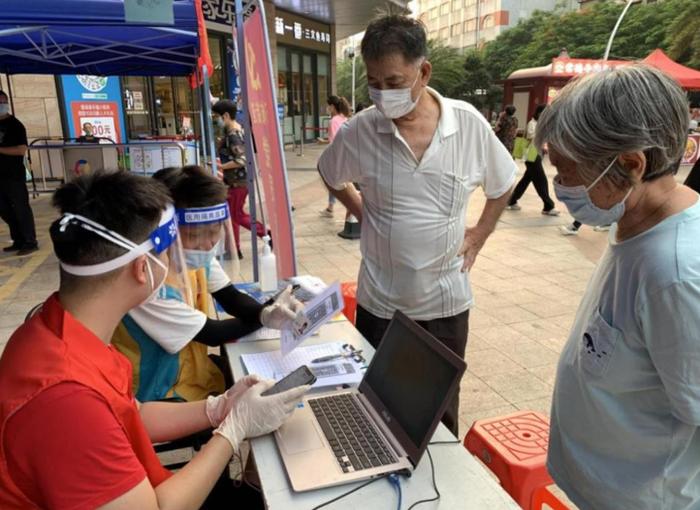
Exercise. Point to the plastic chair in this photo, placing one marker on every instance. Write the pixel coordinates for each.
(514, 447)
(349, 291)
(542, 497)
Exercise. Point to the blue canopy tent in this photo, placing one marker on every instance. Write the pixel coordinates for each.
(93, 37)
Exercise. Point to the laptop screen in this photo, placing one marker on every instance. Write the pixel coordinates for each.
(412, 375)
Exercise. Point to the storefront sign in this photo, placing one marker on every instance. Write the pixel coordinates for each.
(576, 66)
(93, 99)
(692, 150)
(300, 32)
(297, 31)
(271, 164)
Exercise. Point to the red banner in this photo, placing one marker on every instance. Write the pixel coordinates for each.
(270, 156)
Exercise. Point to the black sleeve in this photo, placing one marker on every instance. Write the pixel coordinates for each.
(215, 332)
(238, 304)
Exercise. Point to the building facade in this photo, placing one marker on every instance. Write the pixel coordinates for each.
(470, 23)
(302, 37)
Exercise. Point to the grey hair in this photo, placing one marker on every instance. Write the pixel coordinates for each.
(633, 108)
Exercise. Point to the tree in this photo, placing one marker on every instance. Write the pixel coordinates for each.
(683, 35)
(448, 69)
(344, 80)
(478, 86)
(671, 25)
(448, 73)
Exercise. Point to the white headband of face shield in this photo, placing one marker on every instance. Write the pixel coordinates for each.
(159, 240)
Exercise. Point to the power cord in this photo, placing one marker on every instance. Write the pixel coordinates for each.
(432, 472)
(396, 482)
(437, 492)
(351, 491)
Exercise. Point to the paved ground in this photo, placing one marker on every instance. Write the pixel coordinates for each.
(527, 282)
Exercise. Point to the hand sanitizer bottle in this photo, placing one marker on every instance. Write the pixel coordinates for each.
(268, 268)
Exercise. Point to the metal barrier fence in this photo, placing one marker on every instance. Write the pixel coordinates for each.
(54, 156)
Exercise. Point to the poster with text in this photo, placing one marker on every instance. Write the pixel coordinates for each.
(95, 100)
(262, 107)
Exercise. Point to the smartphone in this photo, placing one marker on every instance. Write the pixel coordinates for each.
(300, 377)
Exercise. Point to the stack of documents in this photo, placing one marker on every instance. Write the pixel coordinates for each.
(272, 365)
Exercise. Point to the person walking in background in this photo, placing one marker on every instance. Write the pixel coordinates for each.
(14, 196)
(572, 230)
(232, 155)
(507, 127)
(534, 173)
(339, 111)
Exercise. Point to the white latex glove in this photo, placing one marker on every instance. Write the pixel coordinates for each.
(285, 312)
(219, 406)
(253, 415)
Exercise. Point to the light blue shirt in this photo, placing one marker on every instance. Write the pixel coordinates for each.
(626, 407)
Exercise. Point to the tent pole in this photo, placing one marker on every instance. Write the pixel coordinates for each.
(248, 135)
(206, 112)
(9, 92)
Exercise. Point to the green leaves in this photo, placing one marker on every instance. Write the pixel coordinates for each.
(671, 25)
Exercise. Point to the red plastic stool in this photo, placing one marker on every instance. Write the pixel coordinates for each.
(514, 447)
(349, 292)
(543, 497)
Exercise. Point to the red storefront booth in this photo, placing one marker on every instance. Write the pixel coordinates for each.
(526, 88)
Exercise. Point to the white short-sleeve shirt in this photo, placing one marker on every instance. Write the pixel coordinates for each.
(626, 409)
(414, 212)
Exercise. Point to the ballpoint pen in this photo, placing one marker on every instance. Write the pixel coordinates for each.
(332, 357)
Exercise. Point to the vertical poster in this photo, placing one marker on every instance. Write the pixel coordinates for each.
(94, 100)
(262, 107)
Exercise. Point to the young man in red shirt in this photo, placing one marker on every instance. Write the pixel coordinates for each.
(71, 433)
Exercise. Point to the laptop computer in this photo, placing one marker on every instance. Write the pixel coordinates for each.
(382, 426)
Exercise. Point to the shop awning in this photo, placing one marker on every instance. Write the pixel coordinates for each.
(687, 78)
(92, 37)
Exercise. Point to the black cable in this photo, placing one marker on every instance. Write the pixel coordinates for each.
(432, 470)
(351, 491)
(437, 492)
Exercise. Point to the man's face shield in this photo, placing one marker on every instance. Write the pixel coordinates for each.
(207, 235)
(162, 247)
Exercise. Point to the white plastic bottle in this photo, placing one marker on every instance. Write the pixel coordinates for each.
(268, 268)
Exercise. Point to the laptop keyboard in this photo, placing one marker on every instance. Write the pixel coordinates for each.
(354, 439)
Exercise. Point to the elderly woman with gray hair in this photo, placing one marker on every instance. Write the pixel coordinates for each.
(626, 405)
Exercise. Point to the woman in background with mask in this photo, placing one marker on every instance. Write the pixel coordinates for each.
(339, 111)
(167, 338)
(626, 405)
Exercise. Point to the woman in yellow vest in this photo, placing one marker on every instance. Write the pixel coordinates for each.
(167, 340)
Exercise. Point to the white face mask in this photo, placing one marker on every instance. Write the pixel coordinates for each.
(196, 259)
(395, 103)
(582, 208)
(4, 108)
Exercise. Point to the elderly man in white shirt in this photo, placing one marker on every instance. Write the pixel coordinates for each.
(417, 157)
